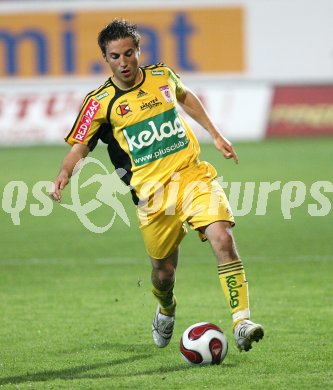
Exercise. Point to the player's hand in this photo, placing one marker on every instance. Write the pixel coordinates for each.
(58, 185)
(226, 148)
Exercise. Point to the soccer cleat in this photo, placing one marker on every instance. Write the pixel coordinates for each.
(246, 332)
(162, 328)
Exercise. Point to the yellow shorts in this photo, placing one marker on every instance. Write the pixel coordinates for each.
(193, 196)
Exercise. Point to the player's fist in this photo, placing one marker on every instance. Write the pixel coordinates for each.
(58, 185)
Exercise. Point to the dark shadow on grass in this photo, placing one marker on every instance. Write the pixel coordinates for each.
(69, 373)
(138, 352)
(80, 372)
(157, 371)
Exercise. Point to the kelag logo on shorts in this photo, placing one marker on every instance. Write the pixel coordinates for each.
(156, 137)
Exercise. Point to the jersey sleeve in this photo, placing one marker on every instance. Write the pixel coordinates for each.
(87, 123)
(180, 89)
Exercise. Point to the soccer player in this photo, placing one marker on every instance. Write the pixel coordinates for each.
(136, 114)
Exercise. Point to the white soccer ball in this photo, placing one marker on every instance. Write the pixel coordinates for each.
(203, 343)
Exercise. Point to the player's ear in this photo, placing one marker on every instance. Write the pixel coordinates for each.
(104, 57)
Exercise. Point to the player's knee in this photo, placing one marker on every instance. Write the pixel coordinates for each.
(223, 243)
(227, 238)
(221, 236)
(164, 273)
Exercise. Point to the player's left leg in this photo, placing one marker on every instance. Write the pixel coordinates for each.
(162, 234)
(233, 282)
(163, 278)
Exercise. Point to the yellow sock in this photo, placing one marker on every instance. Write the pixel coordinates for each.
(167, 300)
(235, 288)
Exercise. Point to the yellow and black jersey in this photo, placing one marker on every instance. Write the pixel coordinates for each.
(141, 126)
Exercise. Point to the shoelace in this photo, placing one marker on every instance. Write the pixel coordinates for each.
(242, 331)
(163, 329)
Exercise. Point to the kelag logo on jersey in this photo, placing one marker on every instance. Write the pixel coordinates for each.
(156, 137)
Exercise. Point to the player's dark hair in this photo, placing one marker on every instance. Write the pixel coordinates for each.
(118, 29)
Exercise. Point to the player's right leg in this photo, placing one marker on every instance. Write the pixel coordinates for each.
(214, 222)
(234, 284)
(163, 278)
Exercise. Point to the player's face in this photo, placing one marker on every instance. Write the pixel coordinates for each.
(123, 58)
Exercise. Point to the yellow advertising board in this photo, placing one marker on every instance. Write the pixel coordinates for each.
(65, 43)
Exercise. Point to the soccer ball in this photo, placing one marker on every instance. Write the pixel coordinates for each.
(203, 343)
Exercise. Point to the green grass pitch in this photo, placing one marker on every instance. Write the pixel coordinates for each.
(76, 307)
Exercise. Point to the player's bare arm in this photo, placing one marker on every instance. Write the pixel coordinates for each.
(192, 105)
(77, 152)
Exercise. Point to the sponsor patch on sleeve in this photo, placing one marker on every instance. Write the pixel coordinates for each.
(86, 120)
(166, 92)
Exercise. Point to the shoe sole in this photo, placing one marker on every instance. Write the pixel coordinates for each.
(256, 336)
(163, 342)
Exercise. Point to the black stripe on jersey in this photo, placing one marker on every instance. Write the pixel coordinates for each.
(151, 67)
(88, 96)
(92, 143)
(118, 157)
(97, 91)
(117, 95)
(120, 92)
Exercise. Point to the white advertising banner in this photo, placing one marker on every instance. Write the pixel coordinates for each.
(36, 113)
(43, 112)
(239, 109)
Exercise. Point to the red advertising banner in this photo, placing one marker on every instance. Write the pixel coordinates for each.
(301, 111)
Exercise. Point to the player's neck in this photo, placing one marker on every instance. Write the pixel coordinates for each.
(123, 85)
